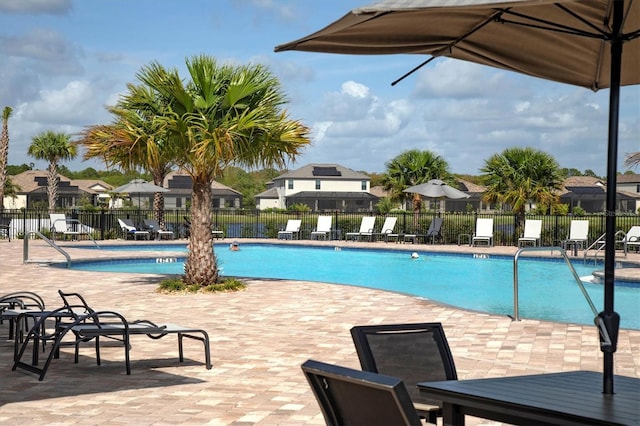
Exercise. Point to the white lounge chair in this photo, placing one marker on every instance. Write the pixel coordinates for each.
(60, 225)
(217, 233)
(128, 228)
(387, 228)
(366, 229)
(292, 229)
(484, 232)
(532, 233)
(631, 239)
(323, 228)
(578, 235)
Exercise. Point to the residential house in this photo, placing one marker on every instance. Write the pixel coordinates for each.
(473, 203)
(322, 187)
(180, 186)
(590, 193)
(629, 183)
(32, 186)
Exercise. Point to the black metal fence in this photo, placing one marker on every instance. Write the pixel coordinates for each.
(258, 224)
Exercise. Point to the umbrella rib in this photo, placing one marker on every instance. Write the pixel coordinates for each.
(553, 26)
(494, 17)
(407, 74)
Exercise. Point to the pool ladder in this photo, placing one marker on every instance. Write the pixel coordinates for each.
(597, 320)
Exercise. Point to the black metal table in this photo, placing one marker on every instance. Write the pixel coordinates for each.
(570, 398)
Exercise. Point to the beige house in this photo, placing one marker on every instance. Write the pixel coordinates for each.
(322, 187)
(32, 186)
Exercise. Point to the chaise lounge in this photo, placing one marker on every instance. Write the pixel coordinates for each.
(79, 320)
(292, 230)
(366, 229)
(130, 230)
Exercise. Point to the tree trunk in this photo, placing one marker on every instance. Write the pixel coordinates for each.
(158, 197)
(52, 186)
(158, 208)
(417, 205)
(201, 266)
(4, 152)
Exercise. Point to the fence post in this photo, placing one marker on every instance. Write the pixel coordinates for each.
(102, 224)
(24, 222)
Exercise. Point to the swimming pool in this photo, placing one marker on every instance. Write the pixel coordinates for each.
(547, 289)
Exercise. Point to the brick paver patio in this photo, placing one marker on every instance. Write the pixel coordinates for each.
(259, 338)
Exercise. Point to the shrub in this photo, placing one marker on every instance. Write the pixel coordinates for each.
(299, 207)
(177, 285)
(578, 211)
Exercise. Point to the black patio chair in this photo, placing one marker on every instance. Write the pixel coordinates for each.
(352, 397)
(411, 352)
(187, 226)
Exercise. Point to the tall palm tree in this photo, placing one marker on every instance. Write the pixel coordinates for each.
(4, 152)
(520, 175)
(53, 147)
(411, 168)
(222, 116)
(134, 140)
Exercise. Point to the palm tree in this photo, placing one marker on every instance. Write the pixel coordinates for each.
(520, 175)
(632, 159)
(53, 147)
(11, 189)
(411, 168)
(134, 140)
(4, 152)
(222, 116)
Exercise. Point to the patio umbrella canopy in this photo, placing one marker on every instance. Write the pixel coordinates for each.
(589, 43)
(435, 188)
(139, 187)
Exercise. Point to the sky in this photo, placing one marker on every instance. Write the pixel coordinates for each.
(63, 61)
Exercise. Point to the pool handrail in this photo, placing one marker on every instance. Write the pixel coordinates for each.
(25, 251)
(606, 340)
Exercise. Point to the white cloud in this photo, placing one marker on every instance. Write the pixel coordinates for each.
(452, 78)
(70, 104)
(57, 7)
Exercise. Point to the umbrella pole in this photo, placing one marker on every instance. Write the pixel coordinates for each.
(609, 317)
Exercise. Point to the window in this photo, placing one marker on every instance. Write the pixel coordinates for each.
(317, 184)
(363, 185)
(290, 182)
(637, 188)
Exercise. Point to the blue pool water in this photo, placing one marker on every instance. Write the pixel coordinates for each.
(547, 289)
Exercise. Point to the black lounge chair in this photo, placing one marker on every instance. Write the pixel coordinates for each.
(352, 397)
(411, 352)
(434, 232)
(85, 324)
(15, 303)
(158, 232)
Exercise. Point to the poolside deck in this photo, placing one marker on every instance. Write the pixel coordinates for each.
(259, 338)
